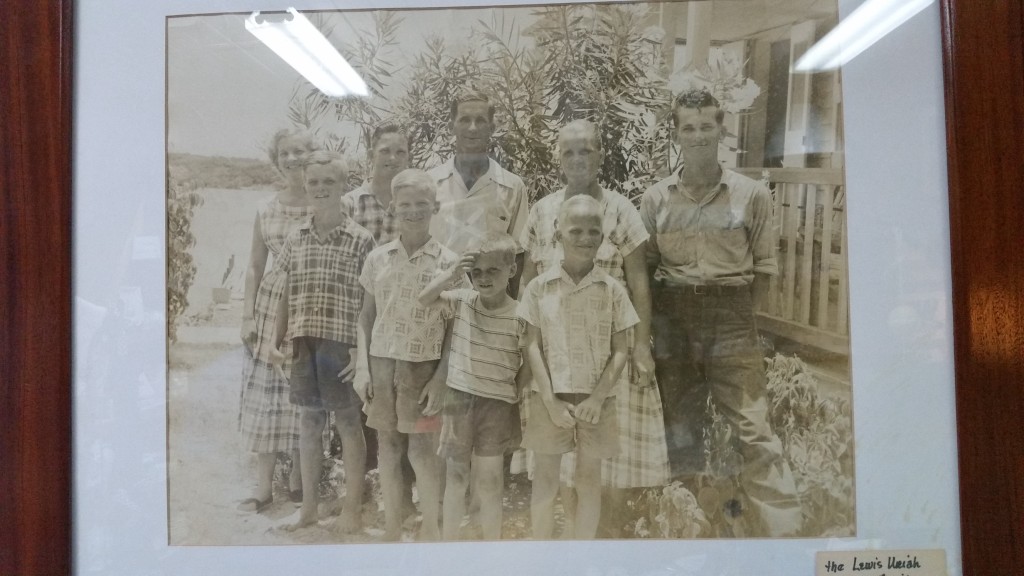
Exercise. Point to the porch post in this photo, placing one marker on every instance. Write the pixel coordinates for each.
(698, 34)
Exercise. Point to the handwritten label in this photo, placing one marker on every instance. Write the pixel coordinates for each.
(881, 563)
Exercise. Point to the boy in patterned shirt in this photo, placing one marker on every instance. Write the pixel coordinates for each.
(480, 419)
(577, 317)
(400, 347)
(322, 259)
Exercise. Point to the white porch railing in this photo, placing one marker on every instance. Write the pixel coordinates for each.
(809, 299)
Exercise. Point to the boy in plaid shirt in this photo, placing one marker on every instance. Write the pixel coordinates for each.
(323, 259)
(400, 345)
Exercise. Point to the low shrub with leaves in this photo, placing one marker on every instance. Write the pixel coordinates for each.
(182, 200)
(817, 437)
(817, 441)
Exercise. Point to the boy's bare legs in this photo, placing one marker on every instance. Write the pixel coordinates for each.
(353, 447)
(488, 472)
(457, 478)
(545, 488)
(311, 425)
(568, 497)
(588, 495)
(427, 465)
(391, 445)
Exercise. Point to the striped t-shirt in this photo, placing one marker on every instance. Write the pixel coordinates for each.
(485, 355)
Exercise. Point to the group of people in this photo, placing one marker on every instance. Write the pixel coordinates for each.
(459, 324)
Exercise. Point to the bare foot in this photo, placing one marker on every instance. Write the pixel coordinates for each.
(303, 521)
(428, 533)
(349, 522)
(329, 509)
(568, 531)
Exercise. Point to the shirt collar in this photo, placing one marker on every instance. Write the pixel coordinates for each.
(431, 248)
(676, 185)
(594, 276)
(344, 228)
(364, 191)
(494, 173)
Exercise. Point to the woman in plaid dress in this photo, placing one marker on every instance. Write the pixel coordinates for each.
(642, 459)
(267, 420)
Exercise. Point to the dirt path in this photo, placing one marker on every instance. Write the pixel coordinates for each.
(210, 473)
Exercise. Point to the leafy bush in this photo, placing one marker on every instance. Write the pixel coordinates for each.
(596, 62)
(817, 436)
(182, 200)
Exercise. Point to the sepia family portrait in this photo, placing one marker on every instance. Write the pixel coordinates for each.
(570, 271)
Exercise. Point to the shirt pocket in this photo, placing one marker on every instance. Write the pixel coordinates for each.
(729, 245)
(345, 282)
(499, 218)
(346, 272)
(550, 307)
(677, 247)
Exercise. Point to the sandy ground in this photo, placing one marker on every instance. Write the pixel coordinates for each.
(209, 472)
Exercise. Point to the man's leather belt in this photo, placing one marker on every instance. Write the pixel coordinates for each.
(702, 289)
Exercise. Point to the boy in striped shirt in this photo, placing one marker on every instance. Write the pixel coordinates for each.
(480, 419)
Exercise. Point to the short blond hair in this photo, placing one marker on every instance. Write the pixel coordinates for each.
(501, 244)
(416, 179)
(328, 158)
(580, 204)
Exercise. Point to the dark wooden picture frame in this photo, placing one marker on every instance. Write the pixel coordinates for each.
(984, 73)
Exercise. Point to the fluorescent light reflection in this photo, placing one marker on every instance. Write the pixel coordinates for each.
(863, 27)
(306, 50)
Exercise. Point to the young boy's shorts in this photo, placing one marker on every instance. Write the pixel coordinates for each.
(600, 440)
(395, 404)
(478, 426)
(316, 381)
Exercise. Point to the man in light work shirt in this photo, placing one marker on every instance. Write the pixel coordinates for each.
(712, 248)
(477, 195)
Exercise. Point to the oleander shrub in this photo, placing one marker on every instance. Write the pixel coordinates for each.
(596, 62)
(182, 201)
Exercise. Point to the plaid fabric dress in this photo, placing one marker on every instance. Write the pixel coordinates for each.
(643, 458)
(267, 420)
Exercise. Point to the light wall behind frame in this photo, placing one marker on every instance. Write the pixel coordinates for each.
(866, 25)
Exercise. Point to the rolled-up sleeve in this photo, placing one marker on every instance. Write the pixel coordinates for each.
(763, 239)
(648, 215)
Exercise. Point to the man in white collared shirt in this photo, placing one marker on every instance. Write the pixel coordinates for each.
(477, 195)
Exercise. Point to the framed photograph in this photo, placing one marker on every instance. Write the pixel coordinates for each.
(901, 331)
(690, 463)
